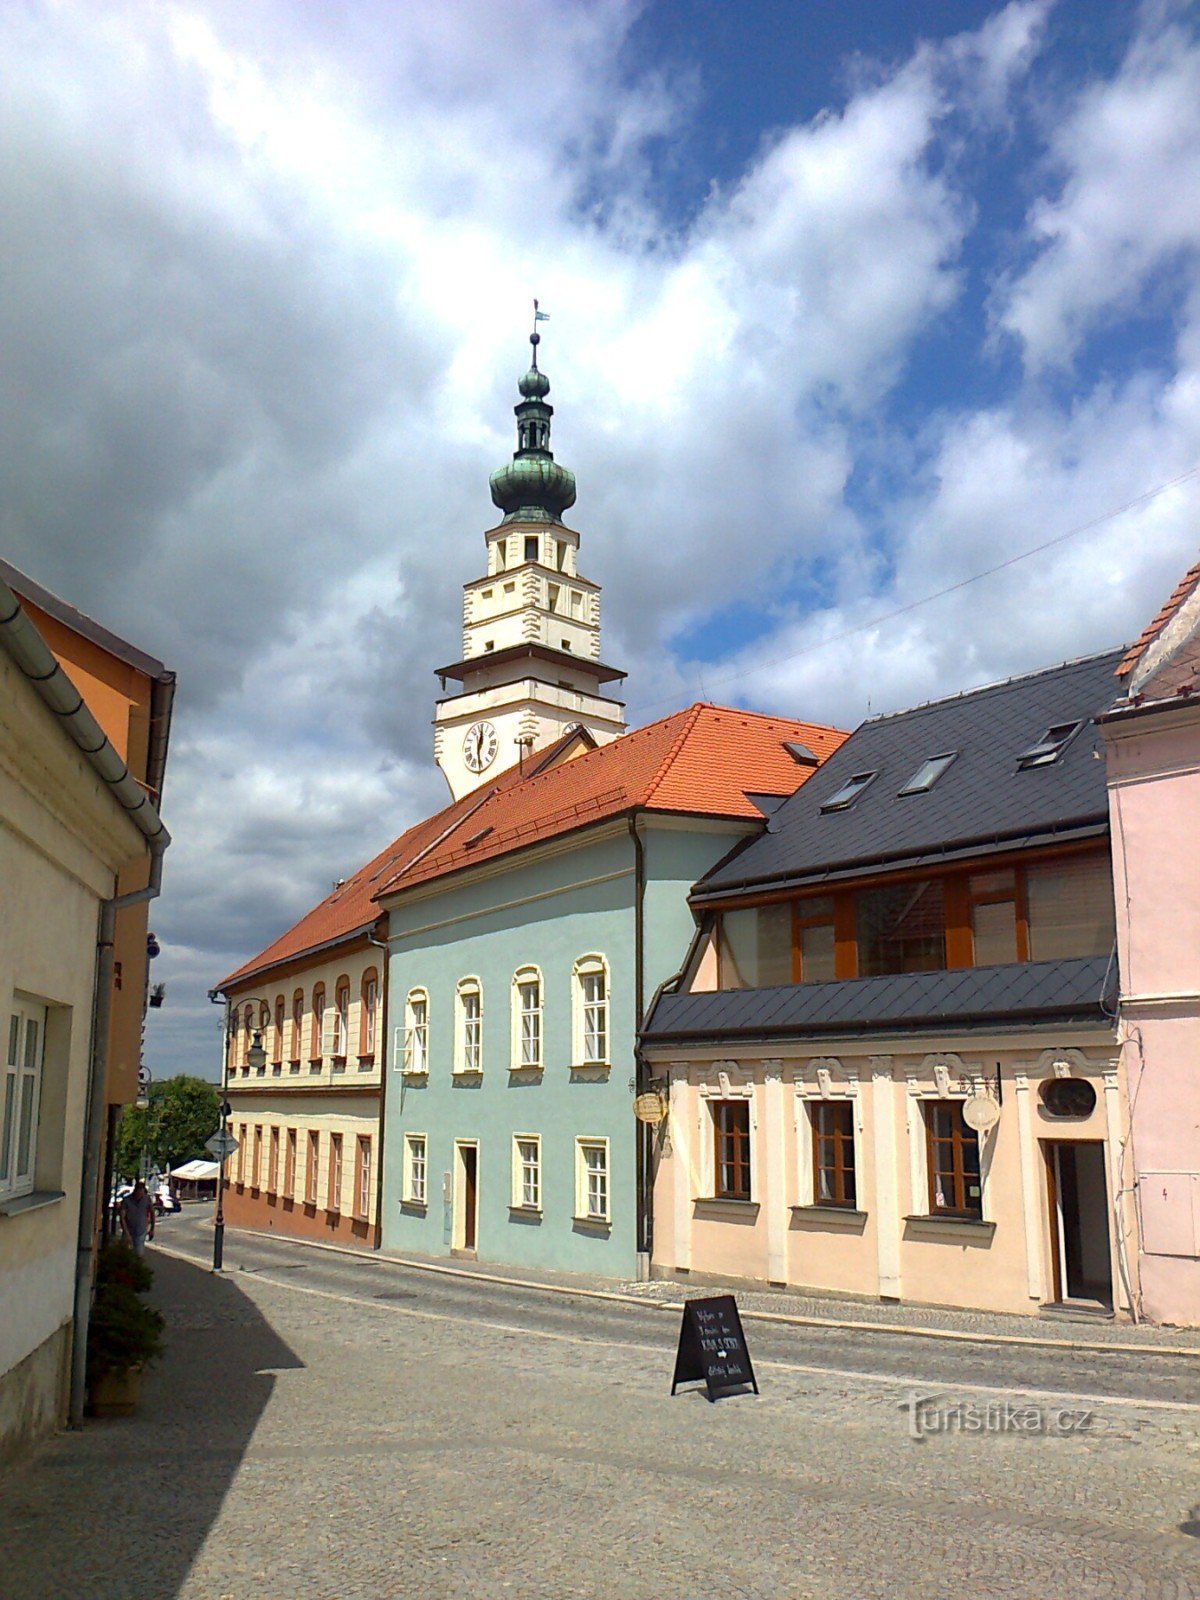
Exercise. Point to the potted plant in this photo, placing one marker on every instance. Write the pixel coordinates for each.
(124, 1334)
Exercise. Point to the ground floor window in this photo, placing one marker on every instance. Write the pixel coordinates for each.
(334, 1202)
(256, 1163)
(527, 1172)
(289, 1165)
(273, 1163)
(312, 1168)
(833, 1153)
(731, 1132)
(414, 1168)
(362, 1176)
(591, 1180)
(952, 1149)
(19, 1097)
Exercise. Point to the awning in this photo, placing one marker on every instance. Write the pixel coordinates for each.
(196, 1171)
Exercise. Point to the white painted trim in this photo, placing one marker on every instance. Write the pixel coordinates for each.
(887, 1197)
(682, 1157)
(775, 1175)
(1030, 1189)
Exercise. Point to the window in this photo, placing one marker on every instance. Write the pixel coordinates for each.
(316, 1044)
(591, 1012)
(289, 1165)
(468, 1027)
(928, 773)
(367, 1014)
(277, 1040)
(591, 1180)
(241, 1155)
(22, 1094)
(416, 1032)
(341, 1020)
(1071, 910)
(993, 901)
(755, 950)
(527, 1172)
(334, 1200)
(248, 1036)
(815, 941)
(528, 1016)
(953, 1153)
(362, 1176)
(553, 592)
(731, 1129)
(531, 547)
(414, 1169)
(560, 554)
(256, 1164)
(1049, 747)
(297, 1027)
(849, 792)
(833, 1153)
(576, 603)
(273, 1163)
(901, 928)
(312, 1168)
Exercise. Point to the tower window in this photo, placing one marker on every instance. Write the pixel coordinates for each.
(531, 547)
(566, 644)
(552, 593)
(560, 552)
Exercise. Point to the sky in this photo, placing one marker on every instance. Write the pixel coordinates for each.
(874, 347)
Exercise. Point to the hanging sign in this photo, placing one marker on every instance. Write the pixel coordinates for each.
(649, 1108)
(712, 1347)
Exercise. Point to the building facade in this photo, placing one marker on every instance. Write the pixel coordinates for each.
(891, 1066)
(74, 824)
(1152, 738)
(523, 950)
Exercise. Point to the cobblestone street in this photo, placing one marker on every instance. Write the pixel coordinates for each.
(324, 1427)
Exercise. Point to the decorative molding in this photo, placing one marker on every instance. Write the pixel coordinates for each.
(1063, 1063)
(943, 1066)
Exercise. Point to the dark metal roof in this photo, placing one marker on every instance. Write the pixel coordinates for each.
(1028, 992)
(981, 800)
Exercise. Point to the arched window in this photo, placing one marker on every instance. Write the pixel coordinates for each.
(367, 1016)
(235, 1018)
(297, 1027)
(316, 1043)
(468, 1026)
(416, 1032)
(526, 1019)
(589, 1008)
(248, 1036)
(341, 1019)
(277, 1041)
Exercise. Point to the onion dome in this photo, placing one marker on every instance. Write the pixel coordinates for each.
(533, 487)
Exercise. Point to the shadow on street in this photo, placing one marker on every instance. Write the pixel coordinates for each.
(120, 1510)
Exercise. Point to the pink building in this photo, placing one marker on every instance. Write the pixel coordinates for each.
(1152, 735)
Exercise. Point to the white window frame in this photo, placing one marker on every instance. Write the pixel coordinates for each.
(468, 1030)
(20, 1096)
(525, 1058)
(370, 1001)
(339, 1033)
(415, 1052)
(415, 1190)
(522, 1186)
(363, 1154)
(585, 1145)
(586, 970)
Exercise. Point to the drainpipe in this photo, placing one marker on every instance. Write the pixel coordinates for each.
(33, 657)
(645, 1196)
(381, 1055)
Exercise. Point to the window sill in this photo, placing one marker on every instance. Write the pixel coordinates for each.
(726, 1205)
(943, 1222)
(517, 1067)
(467, 1072)
(366, 1063)
(845, 1215)
(415, 1205)
(592, 1066)
(414, 1072)
(31, 1202)
(528, 1211)
(598, 1223)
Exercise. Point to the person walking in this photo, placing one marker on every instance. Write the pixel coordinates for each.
(137, 1217)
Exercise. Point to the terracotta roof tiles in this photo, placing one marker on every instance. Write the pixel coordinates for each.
(1152, 629)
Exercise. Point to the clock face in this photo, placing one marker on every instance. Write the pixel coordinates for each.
(480, 746)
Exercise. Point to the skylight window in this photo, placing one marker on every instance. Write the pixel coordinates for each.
(849, 792)
(1049, 747)
(928, 773)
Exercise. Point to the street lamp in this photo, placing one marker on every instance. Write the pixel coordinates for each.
(256, 1057)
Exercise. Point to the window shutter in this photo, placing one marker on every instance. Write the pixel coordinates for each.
(397, 1048)
(327, 1022)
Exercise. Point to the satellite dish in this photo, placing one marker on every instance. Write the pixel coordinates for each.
(981, 1113)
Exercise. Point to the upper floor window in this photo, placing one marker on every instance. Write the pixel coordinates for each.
(527, 1015)
(248, 1034)
(842, 799)
(468, 1026)
(416, 1032)
(1049, 747)
(368, 1006)
(756, 947)
(316, 1045)
(531, 547)
(297, 1025)
(590, 1005)
(21, 1096)
(901, 928)
(277, 1038)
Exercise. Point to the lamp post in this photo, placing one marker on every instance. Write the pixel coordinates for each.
(256, 1057)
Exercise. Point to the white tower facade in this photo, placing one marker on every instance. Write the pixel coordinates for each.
(531, 665)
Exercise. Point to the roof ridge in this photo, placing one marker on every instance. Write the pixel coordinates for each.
(691, 717)
(989, 688)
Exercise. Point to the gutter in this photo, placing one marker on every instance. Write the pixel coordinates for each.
(32, 655)
(382, 1057)
(642, 1149)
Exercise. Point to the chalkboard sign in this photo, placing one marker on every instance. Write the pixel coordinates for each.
(712, 1347)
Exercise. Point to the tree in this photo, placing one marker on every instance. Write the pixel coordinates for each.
(182, 1114)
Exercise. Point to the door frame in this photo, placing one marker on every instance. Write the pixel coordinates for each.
(458, 1229)
(1051, 1149)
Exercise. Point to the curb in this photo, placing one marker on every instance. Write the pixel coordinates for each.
(786, 1319)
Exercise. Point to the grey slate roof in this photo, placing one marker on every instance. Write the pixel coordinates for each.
(982, 801)
(1026, 992)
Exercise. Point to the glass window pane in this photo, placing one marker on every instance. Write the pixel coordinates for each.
(10, 1113)
(25, 1127)
(1070, 909)
(756, 947)
(994, 926)
(817, 954)
(901, 928)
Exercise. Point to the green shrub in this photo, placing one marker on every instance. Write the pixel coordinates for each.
(123, 1332)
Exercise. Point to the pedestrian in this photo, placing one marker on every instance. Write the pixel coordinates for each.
(137, 1217)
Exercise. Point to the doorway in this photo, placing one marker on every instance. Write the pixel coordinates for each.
(1082, 1255)
(466, 1198)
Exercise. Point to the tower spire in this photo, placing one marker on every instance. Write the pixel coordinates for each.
(533, 487)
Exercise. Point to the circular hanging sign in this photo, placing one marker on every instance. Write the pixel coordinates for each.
(649, 1108)
(980, 1113)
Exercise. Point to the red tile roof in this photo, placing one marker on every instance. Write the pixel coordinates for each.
(703, 761)
(1151, 631)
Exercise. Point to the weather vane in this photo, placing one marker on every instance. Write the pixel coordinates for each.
(535, 337)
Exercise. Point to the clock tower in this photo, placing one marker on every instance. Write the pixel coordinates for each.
(531, 665)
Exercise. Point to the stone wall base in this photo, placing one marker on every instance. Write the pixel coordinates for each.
(34, 1395)
(268, 1213)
